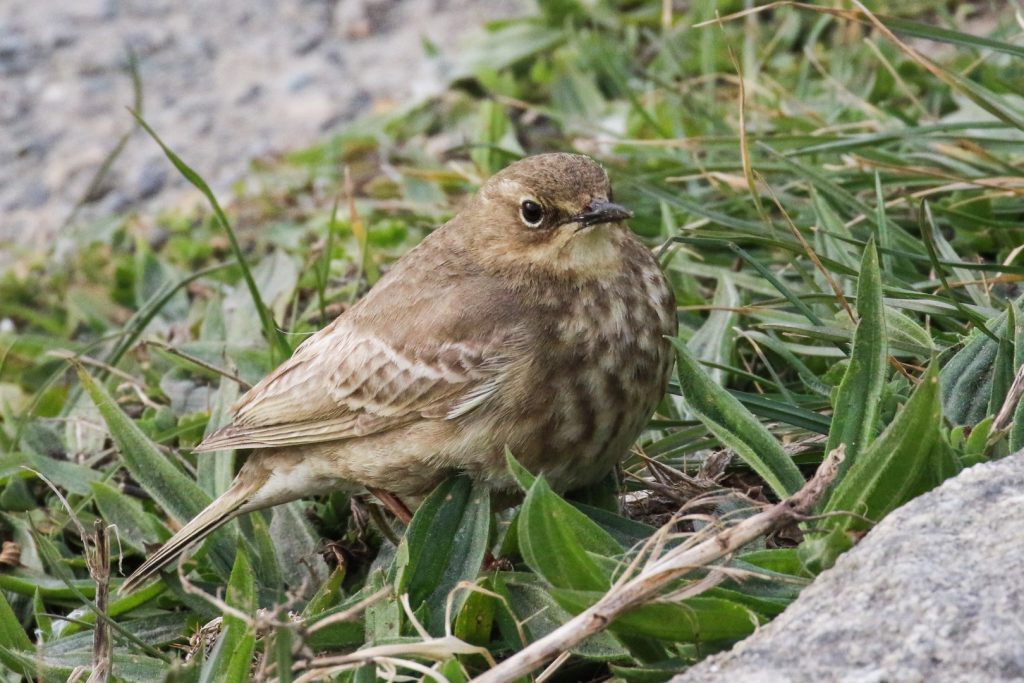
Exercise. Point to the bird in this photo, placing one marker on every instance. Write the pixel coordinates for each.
(534, 320)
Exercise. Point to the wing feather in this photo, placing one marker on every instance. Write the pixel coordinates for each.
(365, 374)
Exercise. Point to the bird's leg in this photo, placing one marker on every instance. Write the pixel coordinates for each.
(393, 503)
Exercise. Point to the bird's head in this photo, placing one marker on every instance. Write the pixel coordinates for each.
(553, 212)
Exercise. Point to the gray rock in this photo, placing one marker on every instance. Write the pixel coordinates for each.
(934, 593)
(216, 78)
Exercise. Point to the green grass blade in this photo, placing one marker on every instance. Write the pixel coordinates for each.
(275, 337)
(928, 230)
(771, 409)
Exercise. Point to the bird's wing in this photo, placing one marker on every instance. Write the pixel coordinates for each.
(377, 368)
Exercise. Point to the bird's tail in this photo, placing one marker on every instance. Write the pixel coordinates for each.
(226, 507)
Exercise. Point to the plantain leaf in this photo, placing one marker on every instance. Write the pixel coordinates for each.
(723, 414)
(908, 458)
(13, 639)
(557, 541)
(474, 621)
(445, 544)
(713, 341)
(177, 494)
(695, 620)
(855, 413)
(1003, 368)
(135, 527)
(538, 613)
(295, 544)
(967, 378)
(519, 473)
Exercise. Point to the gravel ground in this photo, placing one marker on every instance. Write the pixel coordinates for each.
(224, 83)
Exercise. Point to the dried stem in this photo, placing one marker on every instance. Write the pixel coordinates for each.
(98, 561)
(167, 348)
(1005, 415)
(656, 575)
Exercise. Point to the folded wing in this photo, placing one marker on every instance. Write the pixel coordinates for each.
(425, 358)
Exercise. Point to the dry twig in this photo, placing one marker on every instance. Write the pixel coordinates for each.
(1005, 415)
(628, 593)
(97, 559)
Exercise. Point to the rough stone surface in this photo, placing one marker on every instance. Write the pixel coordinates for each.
(224, 83)
(934, 593)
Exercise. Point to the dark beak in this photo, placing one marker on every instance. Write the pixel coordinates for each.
(601, 211)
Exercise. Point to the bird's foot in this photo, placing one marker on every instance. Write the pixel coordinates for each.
(392, 503)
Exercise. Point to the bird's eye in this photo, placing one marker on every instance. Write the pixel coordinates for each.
(531, 212)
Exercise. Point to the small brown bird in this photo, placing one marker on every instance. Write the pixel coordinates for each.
(533, 320)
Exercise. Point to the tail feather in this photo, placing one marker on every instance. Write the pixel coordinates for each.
(220, 511)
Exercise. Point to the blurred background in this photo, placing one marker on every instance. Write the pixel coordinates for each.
(226, 83)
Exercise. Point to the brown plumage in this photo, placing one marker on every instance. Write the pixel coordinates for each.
(534, 319)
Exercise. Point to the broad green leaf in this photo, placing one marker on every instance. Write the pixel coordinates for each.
(84, 617)
(241, 662)
(295, 544)
(493, 137)
(346, 633)
(215, 471)
(556, 540)
(127, 668)
(539, 614)
(266, 560)
(966, 379)
(908, 458)
(778, 560)
(901, 330)
(723, 414)
(1017, 429)
(327, 595)
(383, 619)
(44, 623)
(235, 632)
(975, 446)
(453, 672)
(67, 475)
(855, 413)
(783, 412)
(178, 495)
(135, 527)
(698, 619)
(474, 621)
(624, 530)
(656, 672)
(12, 638)
(445, 544)
(49, 587)
(156, 629)
(819, 551)
(519, 473)
(713, 342)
